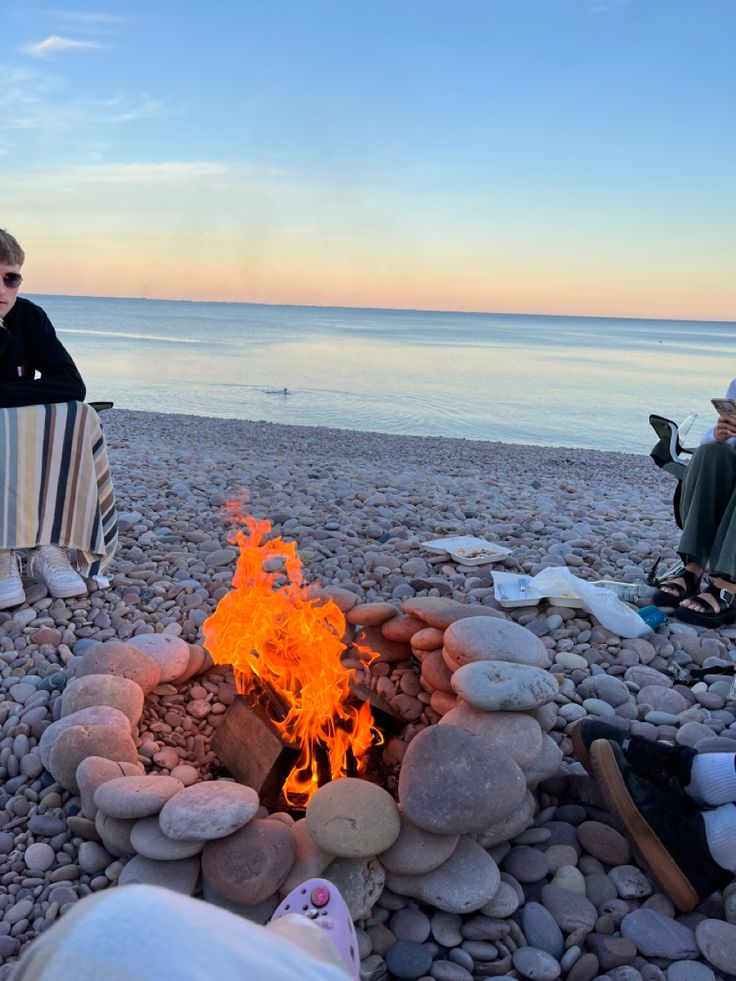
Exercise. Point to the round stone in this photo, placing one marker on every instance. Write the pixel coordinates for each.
(571, 910)
(181, 876)
(39, 857)
(249, 865)
(170, 652)
(717, 943)
(496, 686)
(310, 860)
(531, 962)
(604, 843)
(149, 840)
(546, 764)
(465, 882)
(136, 797)
(123, 661)
(491, 639)
(410, 924)
(103, 689)
(360, 882)
(213, 809)
(541, 930)
(656, 935)
(93, 858)
(78, 742)
(416, 851)
(454, 782)
(517, 734)
(353, 818)
(526, 864)
(408, 959)
(115, 833)
(92, 772)
(95, 715)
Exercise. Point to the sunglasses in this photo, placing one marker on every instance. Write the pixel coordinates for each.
(12, 280)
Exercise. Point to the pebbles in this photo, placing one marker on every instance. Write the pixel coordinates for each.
(359, 507)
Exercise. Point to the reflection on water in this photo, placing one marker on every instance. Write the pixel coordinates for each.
(549, 380)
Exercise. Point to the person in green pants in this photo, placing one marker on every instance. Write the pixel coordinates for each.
(708, 542)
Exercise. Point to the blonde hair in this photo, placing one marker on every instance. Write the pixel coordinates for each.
(10, 251)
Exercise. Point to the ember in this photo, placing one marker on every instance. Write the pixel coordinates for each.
(284, 643)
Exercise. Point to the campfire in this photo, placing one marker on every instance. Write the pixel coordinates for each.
(284, 641)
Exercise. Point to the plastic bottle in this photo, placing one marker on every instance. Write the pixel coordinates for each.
(686, 425)
(652, 616)
(629, 592)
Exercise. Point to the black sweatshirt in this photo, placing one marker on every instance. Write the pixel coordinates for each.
(28, 344)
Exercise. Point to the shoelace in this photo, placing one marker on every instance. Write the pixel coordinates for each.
(55, 559)
(7, 564)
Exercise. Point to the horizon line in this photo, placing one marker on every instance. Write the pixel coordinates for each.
(317, 306)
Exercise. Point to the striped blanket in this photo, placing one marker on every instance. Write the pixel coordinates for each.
(55, 483)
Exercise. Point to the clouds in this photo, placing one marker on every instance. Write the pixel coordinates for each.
(54, 43)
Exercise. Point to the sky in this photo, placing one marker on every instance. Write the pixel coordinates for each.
(541, 156)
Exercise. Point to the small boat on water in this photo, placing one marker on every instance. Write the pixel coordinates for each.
(276, 391)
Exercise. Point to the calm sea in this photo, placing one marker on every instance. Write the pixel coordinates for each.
(556, 381)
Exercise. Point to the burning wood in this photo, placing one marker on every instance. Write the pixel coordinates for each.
(284, 643)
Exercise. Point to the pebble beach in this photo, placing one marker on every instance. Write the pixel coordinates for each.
(360, 505)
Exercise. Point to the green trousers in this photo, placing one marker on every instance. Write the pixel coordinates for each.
(708, 510)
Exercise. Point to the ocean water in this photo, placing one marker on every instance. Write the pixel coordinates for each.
(554, 381)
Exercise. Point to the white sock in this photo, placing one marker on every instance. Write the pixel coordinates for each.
(713, 779)
(720, 833)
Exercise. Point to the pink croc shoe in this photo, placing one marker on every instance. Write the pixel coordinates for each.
(320, 900)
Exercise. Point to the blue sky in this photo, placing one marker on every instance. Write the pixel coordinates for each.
(532, 155)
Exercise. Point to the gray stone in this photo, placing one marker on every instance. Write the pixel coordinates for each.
(123, 661)
(360, 881)
(408, 959)
(81, 741)
(570, 910)
(170, 653)
(531, 962)
(517, 734)
(465, 882)
(208, 810)
(416, 851)
(491, 639)
(95, 715)
(135, 797)
(103, 689)
(181, 875)
(452, 782)
(149, 840)
(541, 929)
(717, 943)
(656, 935)
(496, 686)
(250, 864)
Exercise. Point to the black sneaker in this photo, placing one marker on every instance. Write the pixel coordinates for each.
(666, 829)
(668, 766)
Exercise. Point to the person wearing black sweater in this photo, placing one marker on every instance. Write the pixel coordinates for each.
(29, 346)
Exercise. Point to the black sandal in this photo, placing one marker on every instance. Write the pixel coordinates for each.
(725, 613)
(688, 591)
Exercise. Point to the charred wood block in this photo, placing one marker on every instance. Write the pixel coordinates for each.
(250, 746)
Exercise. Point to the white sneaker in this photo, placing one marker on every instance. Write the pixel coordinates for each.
(11, 586)
(51, 564)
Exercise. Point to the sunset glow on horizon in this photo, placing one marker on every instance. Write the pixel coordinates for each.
(572, 157)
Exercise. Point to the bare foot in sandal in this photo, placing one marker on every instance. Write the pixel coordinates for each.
(714, 606)
(674, 591)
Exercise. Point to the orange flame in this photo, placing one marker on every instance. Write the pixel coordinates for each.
(281, 637)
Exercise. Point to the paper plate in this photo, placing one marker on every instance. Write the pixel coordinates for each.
(468, 549)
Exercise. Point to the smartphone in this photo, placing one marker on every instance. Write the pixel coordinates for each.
(724, 407)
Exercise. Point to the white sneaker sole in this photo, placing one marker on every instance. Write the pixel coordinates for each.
(15, 599)
(66, 592)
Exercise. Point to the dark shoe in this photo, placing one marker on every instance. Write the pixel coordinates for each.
(668, 766)
(672, 593)
(666, 829)
(707, 616)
